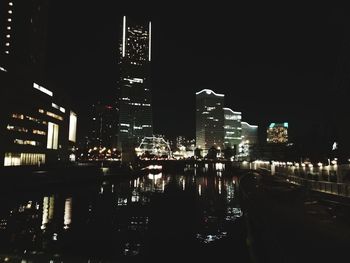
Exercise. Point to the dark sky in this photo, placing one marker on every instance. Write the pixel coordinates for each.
(273, 64)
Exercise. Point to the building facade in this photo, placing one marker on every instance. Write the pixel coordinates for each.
(209, 120)
(233, 128)
(134, 86)
(249, 141)
(277, 133)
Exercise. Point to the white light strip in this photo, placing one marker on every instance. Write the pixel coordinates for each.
(124, 28)
(3, 69)
(235, 112)
(208, 91)
(42, 89)
(150, 40)
(252, 126)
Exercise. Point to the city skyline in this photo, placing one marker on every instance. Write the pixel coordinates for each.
(265, 57)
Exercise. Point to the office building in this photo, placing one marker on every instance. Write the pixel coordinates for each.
(277, 133)
(209, 120)
(249, 133)
(249, 141)
(134, 86)
(233, 128)
(37, 124)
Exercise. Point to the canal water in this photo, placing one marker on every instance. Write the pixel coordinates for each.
(194, 214)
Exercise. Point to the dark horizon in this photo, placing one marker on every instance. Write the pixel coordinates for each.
(272, 65)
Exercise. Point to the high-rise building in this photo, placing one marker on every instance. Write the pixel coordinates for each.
(23, 37)
(209, 120)
(249, 139)
(135, 104)
(277, 133)
(233, 128)
(249, 133)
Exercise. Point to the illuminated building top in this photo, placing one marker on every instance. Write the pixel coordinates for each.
(277, 133)
(209, 92)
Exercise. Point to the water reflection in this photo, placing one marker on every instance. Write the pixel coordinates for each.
(128, 219)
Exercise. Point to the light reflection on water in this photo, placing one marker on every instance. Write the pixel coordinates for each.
(119, 220)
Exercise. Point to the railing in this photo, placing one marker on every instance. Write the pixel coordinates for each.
(340, 189)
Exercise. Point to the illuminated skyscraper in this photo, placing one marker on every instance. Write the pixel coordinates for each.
(209, 120)
(233, 128)
(249, 133)
(135, 104)
(277, 133)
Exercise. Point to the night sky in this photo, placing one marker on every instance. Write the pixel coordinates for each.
(273, 64)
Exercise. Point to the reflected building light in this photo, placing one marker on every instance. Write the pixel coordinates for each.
(67, 213)
(163, 185)
(183, 184)
(199, 189)
(48, 210)
(220, 187)
(155, 177)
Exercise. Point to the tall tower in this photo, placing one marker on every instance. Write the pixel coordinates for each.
(209, 120)
(135, 102)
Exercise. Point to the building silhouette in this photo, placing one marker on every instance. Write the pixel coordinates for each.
(134, 86)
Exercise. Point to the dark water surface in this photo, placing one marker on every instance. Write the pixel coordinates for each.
(164, 217)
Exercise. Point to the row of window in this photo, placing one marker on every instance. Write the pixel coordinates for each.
(26, 117)
(22, 129)
(15, 159)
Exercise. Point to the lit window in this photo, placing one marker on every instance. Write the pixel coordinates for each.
(8, 36)
(26, 142)
(7, 44)
(16, 128)
(10, 11)
(42, 89)
(18, 116)
(7, 52)
(52, 136)
(8, 28)
(53, 115)
(39, 132)
(15, 159)
(41, 111)
(9, 19)
(72, 127)
(10, 4)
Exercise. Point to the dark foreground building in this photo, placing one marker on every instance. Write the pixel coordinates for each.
(36, 124)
